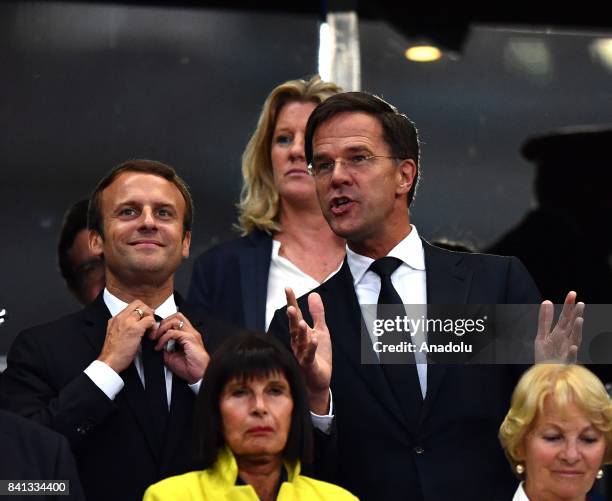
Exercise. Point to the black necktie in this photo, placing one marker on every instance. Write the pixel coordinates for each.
(400, 370)
(155, 382)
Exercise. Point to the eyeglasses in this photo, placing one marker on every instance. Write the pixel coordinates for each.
(322, 168)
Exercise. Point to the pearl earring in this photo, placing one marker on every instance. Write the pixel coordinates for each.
(520, 469)
(600, 474)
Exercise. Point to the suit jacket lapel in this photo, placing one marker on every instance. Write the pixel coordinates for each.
(254, 268)
(448, 279)
(350, 338)
(448, 283)
(96, 317)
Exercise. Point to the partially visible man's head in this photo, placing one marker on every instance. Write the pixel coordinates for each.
(557, 154)
(82, 270)
(399, 132)
(140, 217)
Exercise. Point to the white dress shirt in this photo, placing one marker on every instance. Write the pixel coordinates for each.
(106, 378)
(283, 273)
(409, 279)
(520, 494)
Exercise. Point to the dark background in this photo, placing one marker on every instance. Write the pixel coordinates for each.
(85, 86)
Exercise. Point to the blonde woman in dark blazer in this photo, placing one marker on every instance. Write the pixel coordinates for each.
(286, 241)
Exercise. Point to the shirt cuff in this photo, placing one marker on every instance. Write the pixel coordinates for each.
(324, 422)
(105, 378)
(195, 387)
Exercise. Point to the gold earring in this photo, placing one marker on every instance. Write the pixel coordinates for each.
(520, 469)
(600, 474)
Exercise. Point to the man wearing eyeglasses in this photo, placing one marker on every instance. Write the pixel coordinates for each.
(418, 432)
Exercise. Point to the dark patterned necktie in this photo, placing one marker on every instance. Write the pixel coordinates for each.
(399, 369)
(155, 382)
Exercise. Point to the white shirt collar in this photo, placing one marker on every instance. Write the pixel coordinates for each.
(116, 306)
(409, 250)
(520, 494)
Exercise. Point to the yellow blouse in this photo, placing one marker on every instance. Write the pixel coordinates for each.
(219, 483)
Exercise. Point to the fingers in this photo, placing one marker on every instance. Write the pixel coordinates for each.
(572, 355)
(293, 318)
(138, 310)
(292, 302)
(124, 333)
(575, 320)
(304, 344)
(290, 295)
(169, 335)
(298, 328)
(303, 340)
(136, 314)
(545, 318)
(567, 313)
(576, 334)
(136, 317)
(182, 337)
(297, 324)
(177, 321)
(570, 298)
(317, 311)
(176, 327)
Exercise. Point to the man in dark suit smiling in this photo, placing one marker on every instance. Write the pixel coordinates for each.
(414, 432)
(119, 378)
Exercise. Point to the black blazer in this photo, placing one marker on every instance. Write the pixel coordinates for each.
(113, 441)
(449, 449)
(31, 452)
(230, 281)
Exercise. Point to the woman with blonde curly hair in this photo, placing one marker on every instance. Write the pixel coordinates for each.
(286, 241)
(558, 432)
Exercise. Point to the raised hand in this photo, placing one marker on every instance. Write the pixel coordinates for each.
(311, 347)
(562, 342)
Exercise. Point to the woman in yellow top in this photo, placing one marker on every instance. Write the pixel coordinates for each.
(252, 430)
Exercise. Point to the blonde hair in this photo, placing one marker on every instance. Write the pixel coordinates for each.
(562, 385)
(259, 205)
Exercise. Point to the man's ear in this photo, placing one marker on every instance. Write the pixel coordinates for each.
(407, 170)
(96, 243)
(186, 244)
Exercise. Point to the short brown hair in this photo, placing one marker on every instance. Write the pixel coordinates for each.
(94, 213)
(399, 132)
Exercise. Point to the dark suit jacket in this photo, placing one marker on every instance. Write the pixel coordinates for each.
(230, 281)
(113, 441)
(449, 450)
(31, 452)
